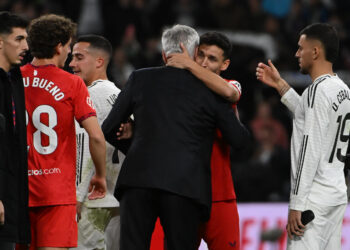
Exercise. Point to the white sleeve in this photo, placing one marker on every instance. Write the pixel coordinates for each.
(315, 129)
(102, 103)
(291, 100)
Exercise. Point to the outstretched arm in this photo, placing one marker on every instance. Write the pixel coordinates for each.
(213, 81)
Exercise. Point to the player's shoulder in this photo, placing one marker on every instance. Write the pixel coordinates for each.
(329, 84)
(103, 86)
(236, 84)
(69, 75)
(50, 69)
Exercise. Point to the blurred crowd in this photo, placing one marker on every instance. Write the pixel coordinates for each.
(134, 28)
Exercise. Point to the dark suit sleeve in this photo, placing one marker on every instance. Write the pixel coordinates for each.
(122, 109)
(233, 131)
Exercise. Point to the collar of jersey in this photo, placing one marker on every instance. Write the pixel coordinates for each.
(42, 66)
(325, 75)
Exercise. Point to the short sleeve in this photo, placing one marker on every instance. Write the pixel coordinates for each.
(83, 106)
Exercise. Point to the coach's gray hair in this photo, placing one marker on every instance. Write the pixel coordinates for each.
(177, 34)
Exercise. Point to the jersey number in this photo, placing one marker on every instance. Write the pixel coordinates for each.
(342, 137)
(44, 129)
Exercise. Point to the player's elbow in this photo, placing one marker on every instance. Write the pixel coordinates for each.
(97, 137)
(231, 95)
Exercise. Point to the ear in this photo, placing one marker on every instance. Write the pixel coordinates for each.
(1, 42)
(225, 65)
(58, 49)
(195, 53)
(164, 57)
(316, 52)
(100, 62)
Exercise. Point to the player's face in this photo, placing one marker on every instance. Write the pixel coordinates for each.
(14, 46)
(64, 53)
(212, 58)
(304, 54)
(83, 63)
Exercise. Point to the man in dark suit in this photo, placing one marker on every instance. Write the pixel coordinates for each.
(166, 172)
(14, 217)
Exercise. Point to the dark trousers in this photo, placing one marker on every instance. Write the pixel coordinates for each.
(7, 245)
(139, 209)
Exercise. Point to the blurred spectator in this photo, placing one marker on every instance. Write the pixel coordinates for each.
(90, 18)
(150, 55)
(278, 8)
(265, 177)
(263, 119)
(229, 14)
(256, 15)
(120, 68)
(315, 11)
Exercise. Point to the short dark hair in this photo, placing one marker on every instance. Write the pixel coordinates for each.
(328, 37)
(97, 42)
(46, 32)
(218, 39)
(8, 21)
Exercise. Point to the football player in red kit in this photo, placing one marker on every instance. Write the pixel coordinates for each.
(54, 98)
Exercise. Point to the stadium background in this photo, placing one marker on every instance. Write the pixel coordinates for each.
(259, 30)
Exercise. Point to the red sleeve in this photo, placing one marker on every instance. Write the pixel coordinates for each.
(83, 107)
(237, 85)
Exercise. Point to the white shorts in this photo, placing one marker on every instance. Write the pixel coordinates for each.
(324, 232)
(92, 227)
(113, 233)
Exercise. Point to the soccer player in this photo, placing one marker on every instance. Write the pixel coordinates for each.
(91, 55)
(319, 141)
(54, 98)
(222, 230)
(14, 219)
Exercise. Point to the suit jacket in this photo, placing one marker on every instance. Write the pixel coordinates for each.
(13, 159)
(175, 120)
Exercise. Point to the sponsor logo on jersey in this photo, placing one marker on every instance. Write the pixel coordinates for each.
(89, 102)
(34, 172)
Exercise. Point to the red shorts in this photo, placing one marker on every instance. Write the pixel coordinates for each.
(222, 230)
(53, 226)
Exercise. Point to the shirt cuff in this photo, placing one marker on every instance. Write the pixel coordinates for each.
(297, 203)
(291, 99)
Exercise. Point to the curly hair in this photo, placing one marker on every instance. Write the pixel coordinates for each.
(46, 32)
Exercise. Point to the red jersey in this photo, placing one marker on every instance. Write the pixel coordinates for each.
(54, 98)
(221, 177)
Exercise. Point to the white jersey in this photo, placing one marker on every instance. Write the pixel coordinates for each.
(103, 94)
(321, 127)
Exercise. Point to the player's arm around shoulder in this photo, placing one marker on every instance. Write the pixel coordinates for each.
(97, 145)
(212, 80)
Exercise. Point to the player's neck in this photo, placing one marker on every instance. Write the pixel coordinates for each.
(98, 76)
(4, 64)
(45, 61)
(321, 69)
